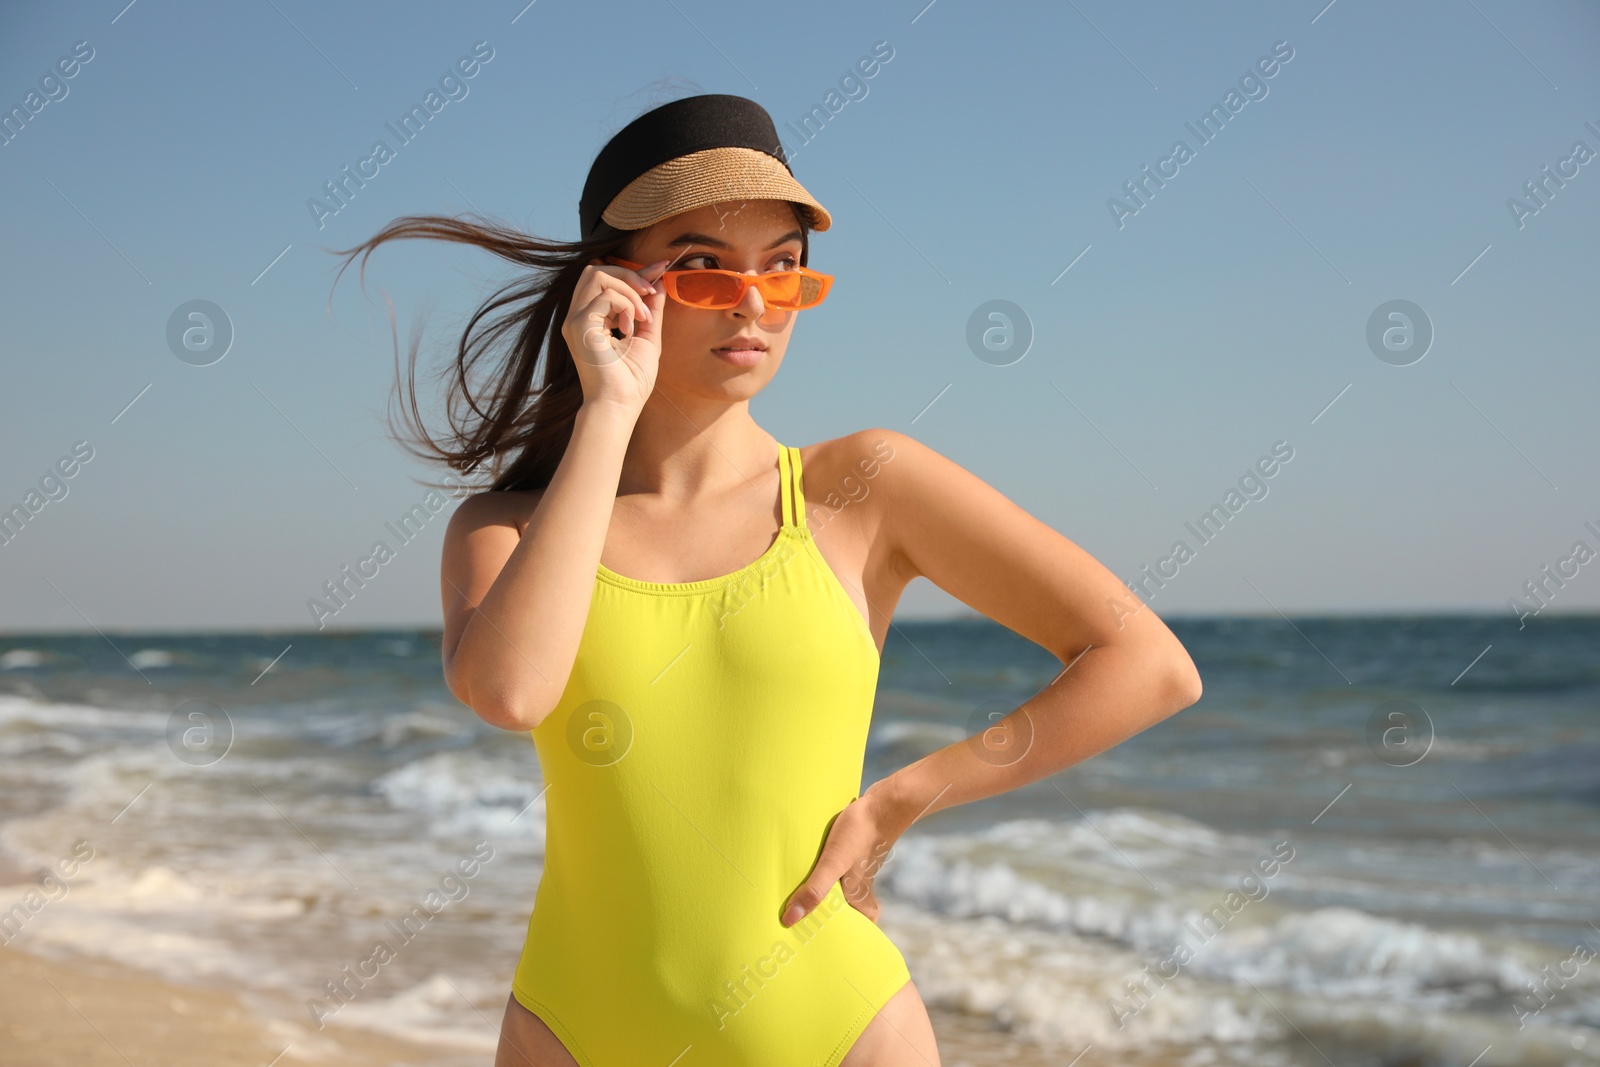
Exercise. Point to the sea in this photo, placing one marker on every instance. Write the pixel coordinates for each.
(1374, 841)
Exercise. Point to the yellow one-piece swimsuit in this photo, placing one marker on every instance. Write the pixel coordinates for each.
(708, 734)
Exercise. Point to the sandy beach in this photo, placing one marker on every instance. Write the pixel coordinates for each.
(94, 1013)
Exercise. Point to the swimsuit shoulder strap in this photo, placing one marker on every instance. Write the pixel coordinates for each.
(797, 496)
(785, 488)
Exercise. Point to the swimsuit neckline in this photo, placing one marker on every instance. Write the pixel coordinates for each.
(792, 525)
(785, 532)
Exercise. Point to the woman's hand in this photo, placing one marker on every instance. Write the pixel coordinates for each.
(611, 369)
(858, 844)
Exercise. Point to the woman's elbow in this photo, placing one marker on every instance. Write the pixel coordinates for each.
(509, 711)
(518, 716)
(518, 719)
(1184, 682)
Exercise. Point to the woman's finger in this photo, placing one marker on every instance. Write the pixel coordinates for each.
(622, 280)
(624, 308)
(594, 322)
(594, 337)
(843, 842)
(650, 327)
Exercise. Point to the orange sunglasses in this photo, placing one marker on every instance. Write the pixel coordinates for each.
(786, 290)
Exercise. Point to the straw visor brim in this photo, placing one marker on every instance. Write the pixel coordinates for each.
(710, 176)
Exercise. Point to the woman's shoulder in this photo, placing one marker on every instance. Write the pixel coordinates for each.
(495, 507)
(864, 454)
(860, 469)
(891, 474)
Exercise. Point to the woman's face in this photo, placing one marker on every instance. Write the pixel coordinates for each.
(749, 236)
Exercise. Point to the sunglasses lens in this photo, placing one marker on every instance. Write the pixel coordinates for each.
(810, 290)
(707, 289)
(786, 290)
(783, 289)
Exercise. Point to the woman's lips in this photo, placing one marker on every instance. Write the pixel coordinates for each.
(740, 357)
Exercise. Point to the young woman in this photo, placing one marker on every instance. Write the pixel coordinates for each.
(651, 589)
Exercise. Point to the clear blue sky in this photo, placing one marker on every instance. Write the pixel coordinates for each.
(1223, 315)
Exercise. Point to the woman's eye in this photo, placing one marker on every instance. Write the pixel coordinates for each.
(707, 261)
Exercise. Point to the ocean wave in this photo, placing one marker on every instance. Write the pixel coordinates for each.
(418, 725)
(1331, 952)
(86, 718)
(466, 793)
(1055, 989)
(113, 913)
(35, 743)
(1063, 992)
(433, 1011)
(902, 741)
(21, 658)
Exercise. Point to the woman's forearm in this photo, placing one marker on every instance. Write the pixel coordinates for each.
(1103, 697)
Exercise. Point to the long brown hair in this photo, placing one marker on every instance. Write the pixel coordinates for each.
(511, 427)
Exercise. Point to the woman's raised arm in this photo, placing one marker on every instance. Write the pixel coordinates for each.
(517, 572)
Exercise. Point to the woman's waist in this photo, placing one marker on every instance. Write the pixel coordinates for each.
(696, 941)
(677, 842)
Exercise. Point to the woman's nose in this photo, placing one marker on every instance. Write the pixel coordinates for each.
(752, 304)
